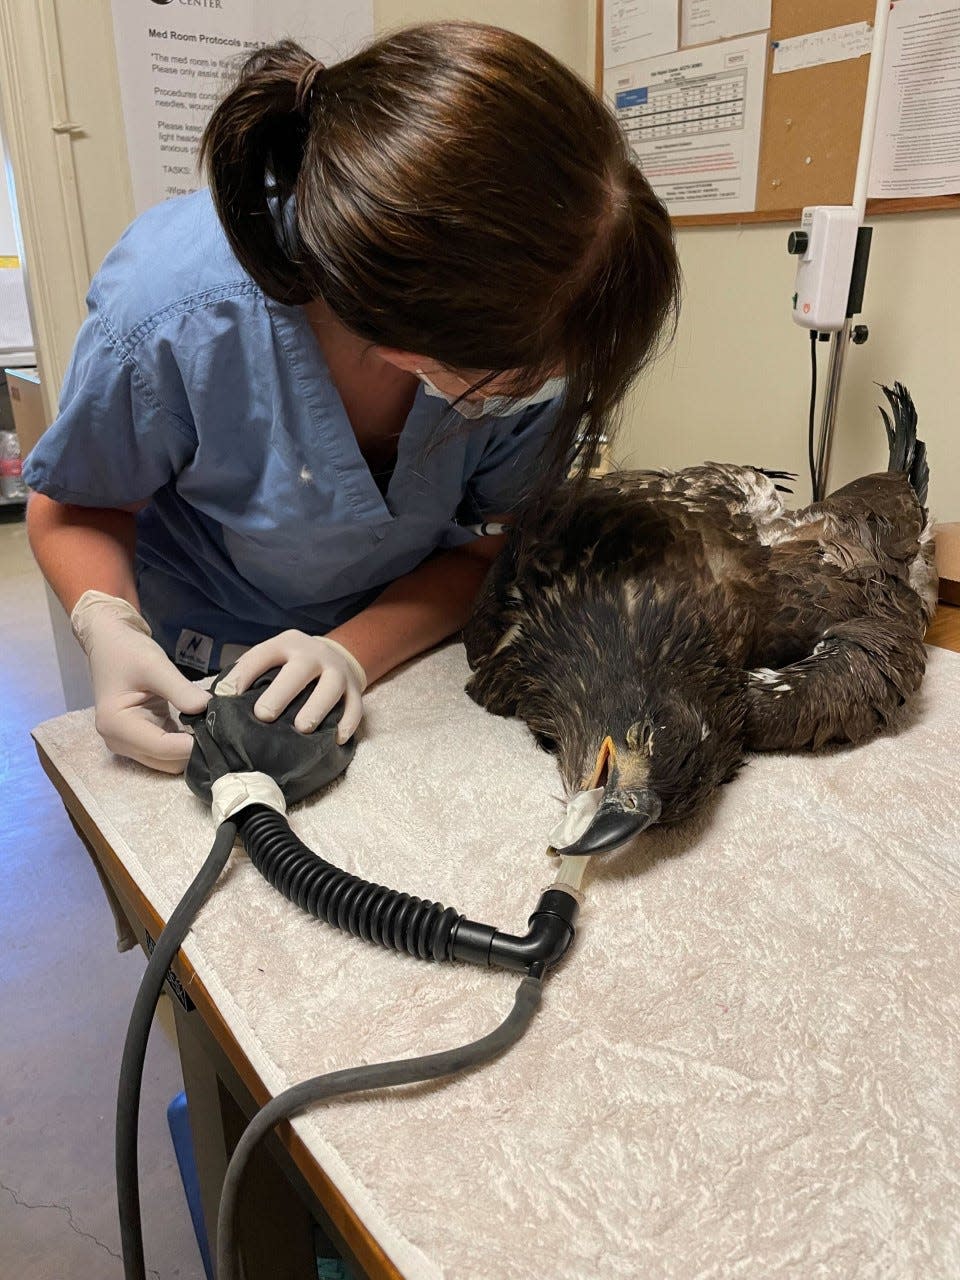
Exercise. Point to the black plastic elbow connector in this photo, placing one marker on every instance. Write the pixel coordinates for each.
(546, 940)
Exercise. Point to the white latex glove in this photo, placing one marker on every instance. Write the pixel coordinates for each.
(133, 681)
(302, 658)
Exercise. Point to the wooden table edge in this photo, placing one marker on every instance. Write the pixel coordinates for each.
(944, 629)
(368, 1252)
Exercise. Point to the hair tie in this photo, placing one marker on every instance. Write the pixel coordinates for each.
(306, 86)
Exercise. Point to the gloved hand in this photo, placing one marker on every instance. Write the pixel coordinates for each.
(302, 658)
(133, 680)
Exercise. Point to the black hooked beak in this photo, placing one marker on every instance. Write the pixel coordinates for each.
(623, 813)
(621, 816)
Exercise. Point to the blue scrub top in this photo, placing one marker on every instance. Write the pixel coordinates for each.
(192, 389)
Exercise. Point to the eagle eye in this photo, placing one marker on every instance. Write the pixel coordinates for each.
(640, 736)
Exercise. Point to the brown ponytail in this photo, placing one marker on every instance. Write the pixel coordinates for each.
(457, 193)
(253, 148)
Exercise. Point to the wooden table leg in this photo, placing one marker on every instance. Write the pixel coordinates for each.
(279, 1234)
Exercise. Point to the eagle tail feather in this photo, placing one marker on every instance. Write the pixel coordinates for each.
(908, 454)
(778, 475)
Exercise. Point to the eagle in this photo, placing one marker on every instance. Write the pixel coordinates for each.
(653, 627)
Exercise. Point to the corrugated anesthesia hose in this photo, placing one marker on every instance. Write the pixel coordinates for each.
(249, 772)
(389, 918)
(385, 916)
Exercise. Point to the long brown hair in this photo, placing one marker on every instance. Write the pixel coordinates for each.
(456, 192)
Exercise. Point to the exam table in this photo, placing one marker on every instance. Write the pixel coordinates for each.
(747, 1065)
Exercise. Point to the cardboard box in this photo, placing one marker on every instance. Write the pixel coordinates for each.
(27, 404)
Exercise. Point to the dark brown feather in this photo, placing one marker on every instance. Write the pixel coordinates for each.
(695, 604)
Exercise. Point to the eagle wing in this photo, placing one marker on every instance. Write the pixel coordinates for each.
(747, 493)
(851, 683)
(855, 586)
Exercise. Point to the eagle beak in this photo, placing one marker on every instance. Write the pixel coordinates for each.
(606, 762)
(621, 816)
(623, 813)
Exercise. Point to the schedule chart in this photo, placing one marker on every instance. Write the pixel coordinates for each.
(692, 119)
(709, 104)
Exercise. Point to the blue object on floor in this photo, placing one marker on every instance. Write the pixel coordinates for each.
(179, 1122)
(332, 1269)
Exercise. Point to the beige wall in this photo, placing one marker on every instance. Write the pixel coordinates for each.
(735, 385)
(78, 45)
(565, 27)
(86, 34)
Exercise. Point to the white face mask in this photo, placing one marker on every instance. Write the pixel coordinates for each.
(495, 406)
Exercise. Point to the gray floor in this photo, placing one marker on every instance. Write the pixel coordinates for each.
(65, 994)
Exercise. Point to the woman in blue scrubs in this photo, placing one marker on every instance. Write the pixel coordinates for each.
(421, 281)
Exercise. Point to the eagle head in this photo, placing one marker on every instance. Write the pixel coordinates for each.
(663, 729)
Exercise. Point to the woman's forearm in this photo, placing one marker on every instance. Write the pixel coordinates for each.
(81, 549)
(92, 548)
(420, 609)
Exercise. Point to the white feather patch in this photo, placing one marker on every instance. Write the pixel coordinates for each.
(764, 675)
(507, 638)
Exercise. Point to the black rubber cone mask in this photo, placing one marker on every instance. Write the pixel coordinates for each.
(228, 738)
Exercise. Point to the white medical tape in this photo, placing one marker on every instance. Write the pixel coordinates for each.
(235, 791)
(579, 815)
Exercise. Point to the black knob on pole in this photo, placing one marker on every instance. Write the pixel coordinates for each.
(797, 242)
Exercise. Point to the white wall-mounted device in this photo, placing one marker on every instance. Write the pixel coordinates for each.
(826, 244)
(833, 246)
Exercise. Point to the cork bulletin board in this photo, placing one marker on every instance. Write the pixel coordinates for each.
(810, 125)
